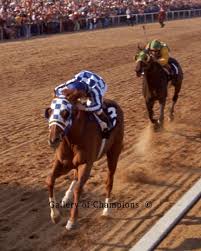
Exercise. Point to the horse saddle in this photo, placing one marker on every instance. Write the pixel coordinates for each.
(171, 70)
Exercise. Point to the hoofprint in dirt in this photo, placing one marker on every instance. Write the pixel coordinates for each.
(154, 170)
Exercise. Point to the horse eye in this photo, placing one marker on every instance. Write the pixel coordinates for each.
(64, 114)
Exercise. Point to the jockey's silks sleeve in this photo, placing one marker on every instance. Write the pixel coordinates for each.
(59, 89)
(92, 80)
(163, 60)
(97, 88)
(96, 98)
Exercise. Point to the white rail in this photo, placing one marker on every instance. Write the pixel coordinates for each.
(170, 15)
(157, 233)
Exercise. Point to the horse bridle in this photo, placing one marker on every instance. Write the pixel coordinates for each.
(56, 119)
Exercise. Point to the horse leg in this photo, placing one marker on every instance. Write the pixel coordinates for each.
(57, 171)
(174, 99)
(112, 159)
(69, 193)
(161, 23)
(83, 175)
(162, 107)
(150, 104)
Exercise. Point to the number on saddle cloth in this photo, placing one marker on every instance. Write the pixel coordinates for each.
(111, 113)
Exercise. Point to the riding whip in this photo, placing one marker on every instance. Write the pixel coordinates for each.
(145, 33)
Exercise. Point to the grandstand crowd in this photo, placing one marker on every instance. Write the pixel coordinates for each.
(25, 18)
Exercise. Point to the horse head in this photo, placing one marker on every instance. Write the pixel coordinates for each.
(59, 116)
(143, 62)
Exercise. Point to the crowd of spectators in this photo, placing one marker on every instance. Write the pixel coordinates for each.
(25, 18)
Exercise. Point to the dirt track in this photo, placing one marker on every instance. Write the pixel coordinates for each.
(154, 167)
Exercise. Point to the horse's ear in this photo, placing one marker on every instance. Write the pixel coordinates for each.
(140, 46)
(54, 94)
(48, 112)
(136, 57)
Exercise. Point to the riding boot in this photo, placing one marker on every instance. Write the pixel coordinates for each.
(105, 119)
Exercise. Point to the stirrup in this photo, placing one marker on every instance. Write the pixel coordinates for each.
(106, 133)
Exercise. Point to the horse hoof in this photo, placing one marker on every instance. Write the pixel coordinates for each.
(55, 218)
(154, 121)
(171, 118)
(158, 126)
(70, 225)
(106, 213)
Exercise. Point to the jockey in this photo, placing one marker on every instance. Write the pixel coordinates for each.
(86, 90)
(160, 52)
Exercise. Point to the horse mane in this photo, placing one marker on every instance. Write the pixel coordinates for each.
(157, 66)
(141, 47)
(73, 95)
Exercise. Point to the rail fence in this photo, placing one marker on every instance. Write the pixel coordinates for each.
(68, 25)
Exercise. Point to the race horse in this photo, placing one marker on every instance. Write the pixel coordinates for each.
(78, 142)
(155, 84)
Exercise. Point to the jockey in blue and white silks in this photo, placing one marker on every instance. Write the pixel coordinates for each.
(87, 84)
(93, 84)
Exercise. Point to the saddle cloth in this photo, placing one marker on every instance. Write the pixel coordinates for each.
(172, 72)
(110, 111)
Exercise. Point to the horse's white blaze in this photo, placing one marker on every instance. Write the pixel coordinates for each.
(69, 194)
(106, 210)
(54, 212)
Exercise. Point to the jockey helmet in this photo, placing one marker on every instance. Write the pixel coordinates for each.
(78, 85)
(155, 45)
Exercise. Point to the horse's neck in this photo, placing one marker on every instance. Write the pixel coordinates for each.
(154, 67)
(78, 125)
(154, 73)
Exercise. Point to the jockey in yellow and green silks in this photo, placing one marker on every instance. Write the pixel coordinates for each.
(159, 50)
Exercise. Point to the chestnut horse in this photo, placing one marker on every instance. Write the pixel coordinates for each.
(77, 139)
(155, 84)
